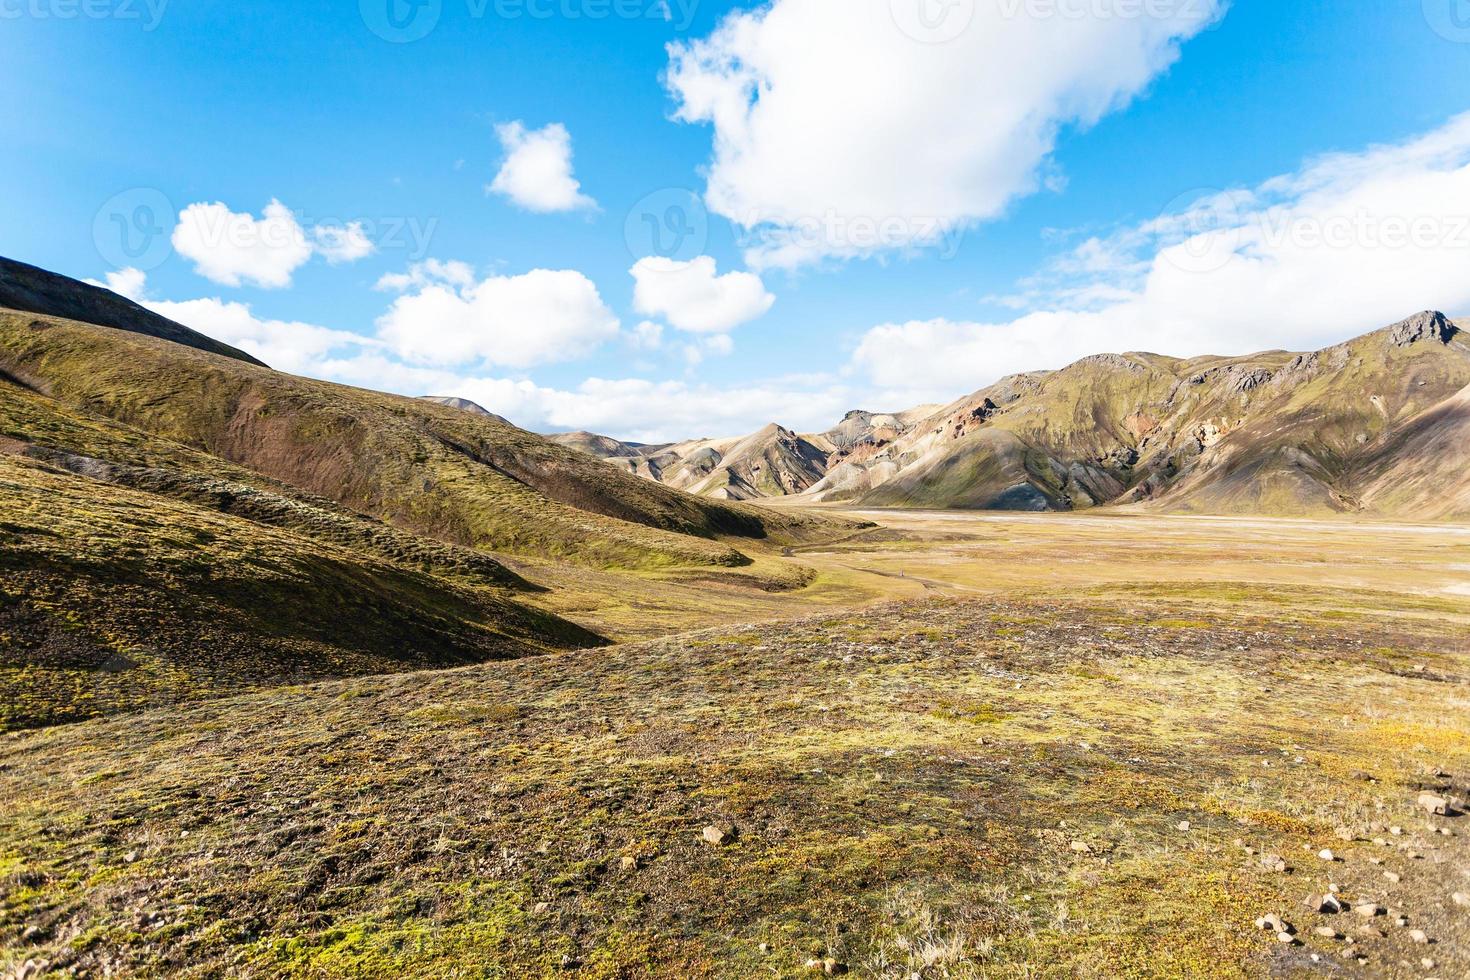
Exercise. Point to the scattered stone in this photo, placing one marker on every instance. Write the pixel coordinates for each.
(1274, 862)
(1184, 826)
(1462, 899)
(1380, 842)
(629, 863)
(541, 908)
(1428, 963)
(1437, 805)
(1369, 910)
(718, 836)
(1327, 855)
(1396, 831)
(1372, 932)
(130, 857)
(1393, 876)
(1344, 833)
(765, 947)
(1286, 937)
(833, 967)
(1330, 905)
(32, 934)
(1420, 936)
(1401, 921)
(1081, 847)
(1327, 932)
(1273, 922)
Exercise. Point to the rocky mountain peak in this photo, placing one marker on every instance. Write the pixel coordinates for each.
(1428, 325)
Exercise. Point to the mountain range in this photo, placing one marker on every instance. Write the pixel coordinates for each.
(1375, 425)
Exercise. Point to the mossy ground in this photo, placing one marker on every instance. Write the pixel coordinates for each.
(905, 787)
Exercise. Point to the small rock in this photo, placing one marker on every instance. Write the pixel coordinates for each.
(32, 934)
(1420, 936)
(1428, 963)
(1344, 834)
(1326, 932)
(1183, 826)
(629, 863)
(570, 962)
(1393, 876)
(1437, 805)
(1326, 854)
(1372, 932)
(1401, 921)
(765, 947)
(716, 835)
(1081, 847)
(1462, 899)
(541, 908)
(1368, 910)
(1273, 862)
(1396, 831)
(1380, 842)
(1330, 905)
(1273, 922)
(1286, 937)
(130, 857)
(833, 967)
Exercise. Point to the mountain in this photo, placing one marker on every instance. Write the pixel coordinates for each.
(464, 405)
(1374, 425)
(28, 289)
(771, 462)
(178, 523)
(1367, 425)
(466, 479)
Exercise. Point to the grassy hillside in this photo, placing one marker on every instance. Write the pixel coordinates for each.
(1272, 433)
(940, 789)
(117, 599)
(439, 471)
(32, 290)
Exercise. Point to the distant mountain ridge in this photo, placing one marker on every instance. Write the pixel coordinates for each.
(1374, 425)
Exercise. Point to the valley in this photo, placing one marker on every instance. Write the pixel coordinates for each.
(304, 680)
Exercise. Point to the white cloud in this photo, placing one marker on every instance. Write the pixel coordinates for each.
(291, 346)
(540, 317)
(234, 249)
(421, 274)
(692, 296)
(836, 133)
(340, 244)
(537, 172)
(647, 336)
(1348, 244)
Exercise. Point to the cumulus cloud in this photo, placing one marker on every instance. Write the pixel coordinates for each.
(537, 172)
(693, 296)
(340, 244)
(235, 249)
(292, 346)
(540, 317)
(838, 131)
(1349, 243)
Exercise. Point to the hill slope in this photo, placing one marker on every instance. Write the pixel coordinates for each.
(32, 290)
(1273, 433)
(466, 479)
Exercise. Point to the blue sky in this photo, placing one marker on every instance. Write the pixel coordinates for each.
(1025, 198)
